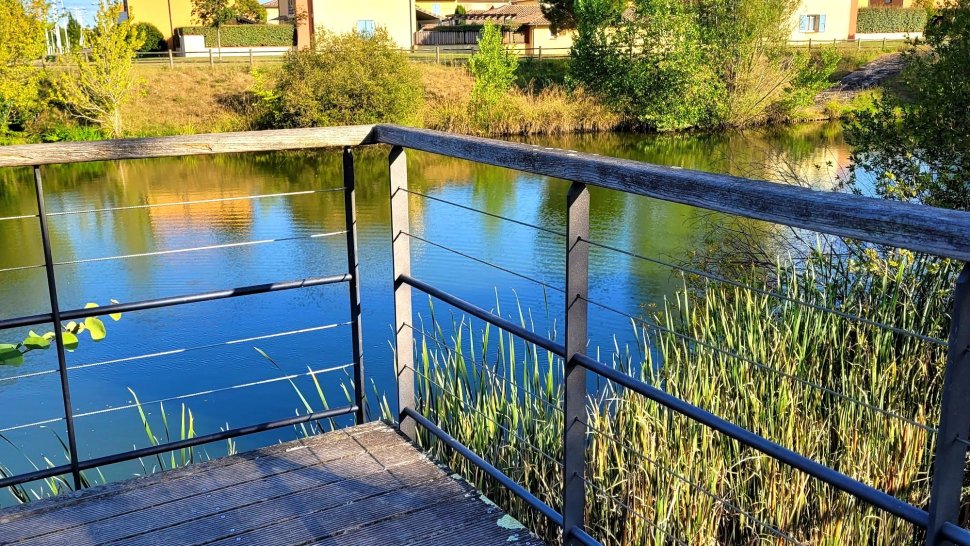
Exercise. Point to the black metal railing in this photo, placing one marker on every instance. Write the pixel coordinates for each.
(900, 225)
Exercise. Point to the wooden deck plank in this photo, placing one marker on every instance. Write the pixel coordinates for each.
(179, 489)
(363, 485)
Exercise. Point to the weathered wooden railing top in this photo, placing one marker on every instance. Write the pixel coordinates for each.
(918, 228)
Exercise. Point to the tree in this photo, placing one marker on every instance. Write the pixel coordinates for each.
(99, 85)
(671, 64)
(915, 142)
(561, 14)
(494, 69)
(650, 64)
(250, 10)
(73, 33)
(214, 13)
(23, 40)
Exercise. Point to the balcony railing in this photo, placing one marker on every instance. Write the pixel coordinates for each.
(922, 229)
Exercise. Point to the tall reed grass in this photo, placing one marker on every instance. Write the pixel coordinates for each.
(850, 394)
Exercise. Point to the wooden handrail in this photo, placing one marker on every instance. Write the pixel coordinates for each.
(27, 155)
(919, 228)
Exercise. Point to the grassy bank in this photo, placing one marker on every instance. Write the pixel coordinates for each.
(204, 99)
(853, 396)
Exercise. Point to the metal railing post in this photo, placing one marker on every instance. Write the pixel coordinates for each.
(171, 59)
(574, 397)
(353, 267)
(58, 333)
(401, 250)
(949, 464)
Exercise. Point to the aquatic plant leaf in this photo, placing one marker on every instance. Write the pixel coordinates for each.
(95, 328)
(10, 355)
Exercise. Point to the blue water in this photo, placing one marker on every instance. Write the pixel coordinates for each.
(104, 375)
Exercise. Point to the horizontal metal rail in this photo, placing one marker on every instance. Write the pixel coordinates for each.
(871, 495)
(207, 392)
(901, 225)
(158, 303)
(171, 352)
(486, 467)
(487, 316)
(173, 446)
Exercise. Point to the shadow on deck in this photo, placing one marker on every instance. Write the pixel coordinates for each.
(362, 485)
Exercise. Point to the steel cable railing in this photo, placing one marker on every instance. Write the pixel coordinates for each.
(481, 261)
(529, 393)
(21, 217)
(289, 377)
(189, 203)
(706, 345)
(479, 211)
(202, 248)
(176, 351)
(469, 409)
(725, 280)
(764, 367)
(730, 506)
(701, 273)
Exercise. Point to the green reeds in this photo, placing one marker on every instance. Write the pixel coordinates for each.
(850, 394)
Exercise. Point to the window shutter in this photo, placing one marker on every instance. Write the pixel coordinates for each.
(821, 23)
(803, 23)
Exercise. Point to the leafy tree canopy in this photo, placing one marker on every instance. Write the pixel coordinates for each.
(915, 142)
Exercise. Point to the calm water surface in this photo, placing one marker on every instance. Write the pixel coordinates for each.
(104, 375)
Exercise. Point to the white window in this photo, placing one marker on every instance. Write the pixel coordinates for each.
(366, 27)
(436, 8)
(811, 23)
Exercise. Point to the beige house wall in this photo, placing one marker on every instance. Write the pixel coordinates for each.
(341, 16)
(156, 12)
(273, 16)
(551, 43)
(840, 16)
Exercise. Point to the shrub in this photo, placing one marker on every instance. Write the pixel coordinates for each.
(346, 79)
(154, 41)
(244, 35)
(493, 67)
(876, 20)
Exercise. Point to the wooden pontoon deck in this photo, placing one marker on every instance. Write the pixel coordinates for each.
(362, 485)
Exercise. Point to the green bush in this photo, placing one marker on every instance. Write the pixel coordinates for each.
(154, 41)
(877, 20)
(346, 79)
(244, 35)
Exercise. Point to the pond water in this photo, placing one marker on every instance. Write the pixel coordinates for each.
(105, 375)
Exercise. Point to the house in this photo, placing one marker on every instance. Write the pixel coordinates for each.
(532, 30)
(825, 20)
(272, 12)
(448, 7)
(165, 15)
(398, 17)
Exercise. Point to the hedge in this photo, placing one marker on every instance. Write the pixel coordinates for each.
(877, 20)
(244, 35)
(154, 40)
